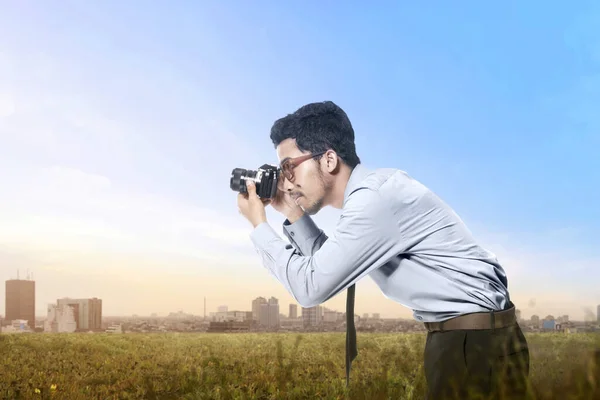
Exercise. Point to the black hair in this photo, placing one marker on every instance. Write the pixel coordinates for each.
(318, 127)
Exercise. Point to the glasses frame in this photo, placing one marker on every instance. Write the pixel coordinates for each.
(287, 166)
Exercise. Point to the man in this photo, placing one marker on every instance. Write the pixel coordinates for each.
(395, 230)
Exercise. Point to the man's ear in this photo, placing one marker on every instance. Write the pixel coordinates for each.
(332, 161)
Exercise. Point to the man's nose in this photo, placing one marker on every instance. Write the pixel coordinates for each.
(287, 185)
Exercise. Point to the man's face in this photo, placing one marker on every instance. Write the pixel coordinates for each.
(309, 186)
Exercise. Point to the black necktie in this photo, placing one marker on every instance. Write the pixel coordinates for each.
(351, 350)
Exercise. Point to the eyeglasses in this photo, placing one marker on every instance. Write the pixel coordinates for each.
(288, 165)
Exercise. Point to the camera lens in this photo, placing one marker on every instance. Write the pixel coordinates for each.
(238, 179)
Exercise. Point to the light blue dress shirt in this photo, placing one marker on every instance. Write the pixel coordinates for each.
(398, 232)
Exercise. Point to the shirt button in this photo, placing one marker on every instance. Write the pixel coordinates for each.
(292, 233)
(420, 318)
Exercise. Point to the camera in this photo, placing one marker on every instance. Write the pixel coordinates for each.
(265, 179)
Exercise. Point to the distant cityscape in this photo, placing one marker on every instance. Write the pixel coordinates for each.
(85, 315)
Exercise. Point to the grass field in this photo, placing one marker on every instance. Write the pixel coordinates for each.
(259, 366)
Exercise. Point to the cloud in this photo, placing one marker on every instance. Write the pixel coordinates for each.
(67, 135)
(123, 197)
(66, 208)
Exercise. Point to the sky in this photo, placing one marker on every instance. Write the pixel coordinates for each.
(120, 125)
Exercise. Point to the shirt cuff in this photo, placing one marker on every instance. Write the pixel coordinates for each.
(304, 227)
(262, 235)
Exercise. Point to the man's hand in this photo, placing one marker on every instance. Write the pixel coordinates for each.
(251, 206)
(287, 206)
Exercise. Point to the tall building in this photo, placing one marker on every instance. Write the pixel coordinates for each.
(60, 319)
(87, 312)
(330, 315)
(20, 301)
(274, 320)
(598, 313)
(312, 316)
(267, 312)
(263, 314)
(256, 304)
(293, 311)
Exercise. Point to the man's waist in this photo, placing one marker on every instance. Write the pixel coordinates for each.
(477, 320)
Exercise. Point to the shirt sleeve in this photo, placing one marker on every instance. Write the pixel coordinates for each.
(365, 238)
(304, 235)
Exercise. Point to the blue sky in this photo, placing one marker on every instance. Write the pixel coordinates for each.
(120, 124)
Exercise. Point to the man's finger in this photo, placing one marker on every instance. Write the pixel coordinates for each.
(251, 188)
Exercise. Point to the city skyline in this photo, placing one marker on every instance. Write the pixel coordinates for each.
(85, 315)
(588, 313)
(117, 140)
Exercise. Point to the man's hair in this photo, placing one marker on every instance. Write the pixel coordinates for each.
(318, 127)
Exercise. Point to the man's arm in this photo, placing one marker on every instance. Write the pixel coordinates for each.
(305, 235)
(365, 238)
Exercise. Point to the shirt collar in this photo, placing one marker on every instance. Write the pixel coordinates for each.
(356, 177)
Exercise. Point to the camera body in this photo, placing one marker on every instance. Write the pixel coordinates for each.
(265, 179)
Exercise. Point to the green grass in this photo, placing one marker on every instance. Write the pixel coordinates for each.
(259, 366)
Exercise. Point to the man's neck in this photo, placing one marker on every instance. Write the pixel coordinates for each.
(336, 198)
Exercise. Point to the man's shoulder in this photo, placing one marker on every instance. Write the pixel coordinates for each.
(388, 185)
(382, 178)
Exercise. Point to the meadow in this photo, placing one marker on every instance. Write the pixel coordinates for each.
(260, 366)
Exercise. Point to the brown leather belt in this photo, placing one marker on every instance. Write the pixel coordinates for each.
(479, 320)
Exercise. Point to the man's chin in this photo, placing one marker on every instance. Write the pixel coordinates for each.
(313, 210)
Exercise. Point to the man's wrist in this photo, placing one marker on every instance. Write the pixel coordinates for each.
(258, 222)
(295, 216)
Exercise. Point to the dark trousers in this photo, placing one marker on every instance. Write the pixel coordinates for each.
(463, 364)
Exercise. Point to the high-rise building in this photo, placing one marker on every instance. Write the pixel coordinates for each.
(598, 313)
(330, 315)
(256, 304)
(312, 316)
(274, 320)
(266, 313)
(20, 301)
(263, 314)
(87, 312)
(60, 319)
(293, 311)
